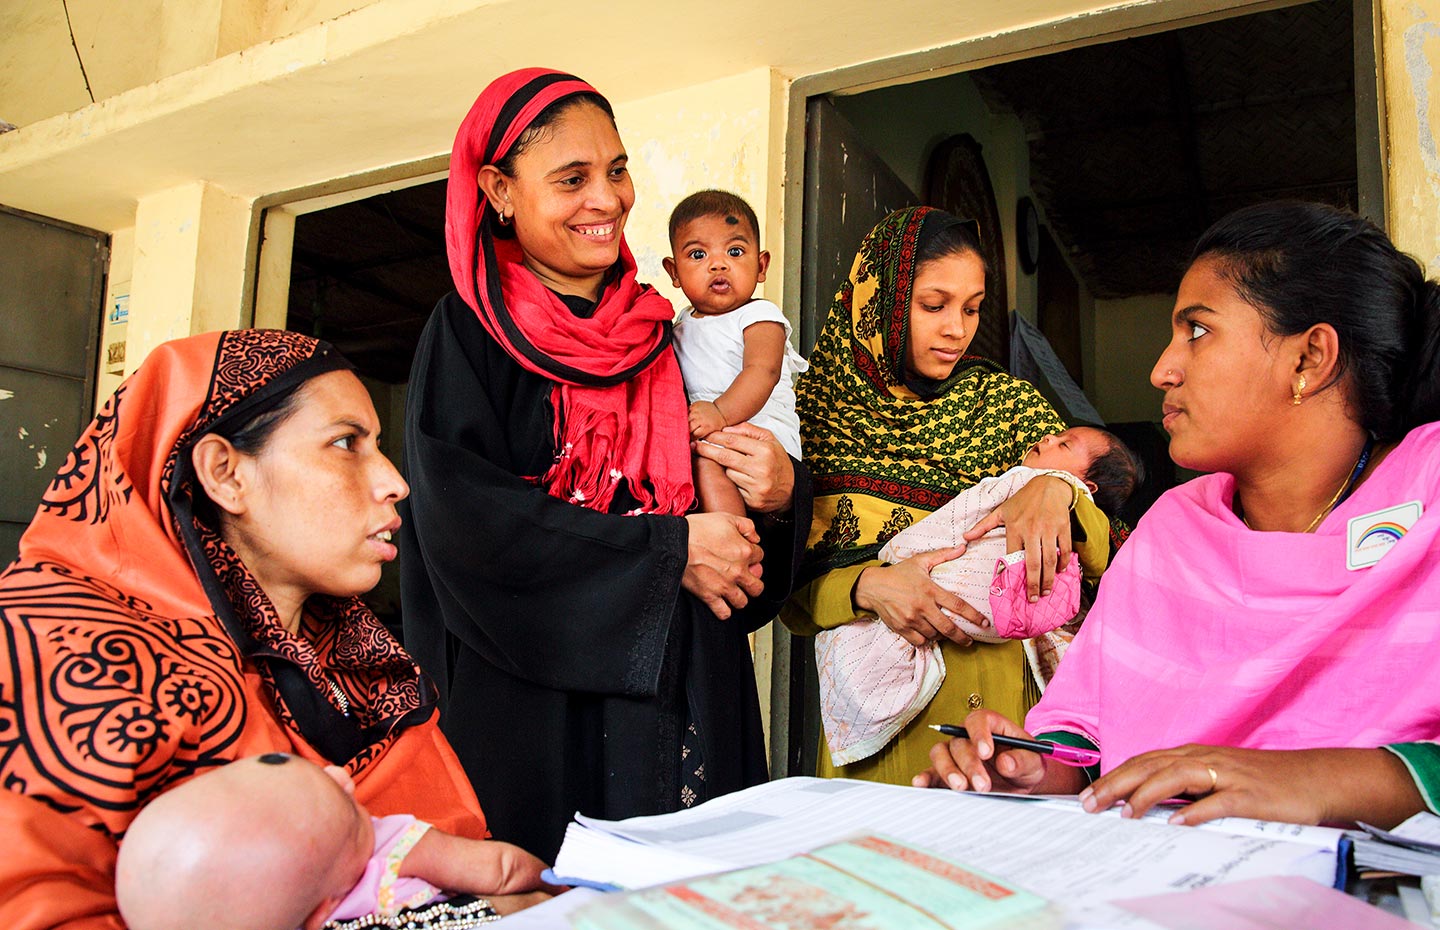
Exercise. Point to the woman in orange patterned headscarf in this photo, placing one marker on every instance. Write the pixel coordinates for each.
(187, 595)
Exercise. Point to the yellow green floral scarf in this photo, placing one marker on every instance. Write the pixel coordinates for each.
(882, 455)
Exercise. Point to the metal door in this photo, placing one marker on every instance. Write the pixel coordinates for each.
(52, 279)
(848, 189)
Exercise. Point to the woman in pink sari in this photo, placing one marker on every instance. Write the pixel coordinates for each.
(1265, 642)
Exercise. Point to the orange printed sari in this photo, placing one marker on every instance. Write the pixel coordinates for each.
(138, 651)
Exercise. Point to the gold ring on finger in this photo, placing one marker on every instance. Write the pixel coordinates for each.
(1214, 778)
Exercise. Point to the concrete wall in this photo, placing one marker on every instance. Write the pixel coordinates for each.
(50, 52)
(1129, 335)
(717, 134)
(1410, 57)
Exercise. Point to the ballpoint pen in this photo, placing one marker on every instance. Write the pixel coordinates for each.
(1070, 755)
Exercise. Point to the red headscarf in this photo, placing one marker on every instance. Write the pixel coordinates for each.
(619, 400)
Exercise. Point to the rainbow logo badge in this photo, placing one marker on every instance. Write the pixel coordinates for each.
(1370, 536)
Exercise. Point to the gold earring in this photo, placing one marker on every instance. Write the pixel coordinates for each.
(1299, 388)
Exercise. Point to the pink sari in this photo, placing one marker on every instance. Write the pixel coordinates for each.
(1208, 632)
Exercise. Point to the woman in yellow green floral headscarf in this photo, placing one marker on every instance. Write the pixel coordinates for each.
(896, 420)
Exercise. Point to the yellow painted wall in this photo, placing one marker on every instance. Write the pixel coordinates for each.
(38, 73)
(1129, 336)
(284, 17)
(190, 268)
(716, 134)
(119, 45)
(1410, 48)
(116, 46)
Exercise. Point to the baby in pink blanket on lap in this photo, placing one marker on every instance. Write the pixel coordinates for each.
(873, 682)
(275, 842)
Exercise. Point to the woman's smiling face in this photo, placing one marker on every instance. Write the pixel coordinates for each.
(568, 199)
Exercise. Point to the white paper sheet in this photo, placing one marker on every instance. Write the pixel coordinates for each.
(1078, 860)
(549, 915)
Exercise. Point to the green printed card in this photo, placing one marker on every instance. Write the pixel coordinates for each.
(866, 883)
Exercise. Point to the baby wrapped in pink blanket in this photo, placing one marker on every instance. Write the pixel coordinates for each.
(873, 682)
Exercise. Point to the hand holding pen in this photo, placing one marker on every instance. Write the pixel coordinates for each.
(980, 761)
(1069, 755)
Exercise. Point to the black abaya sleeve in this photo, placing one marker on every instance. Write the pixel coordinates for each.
(549, 592)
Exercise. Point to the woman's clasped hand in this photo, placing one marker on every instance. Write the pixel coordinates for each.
(722, 565)
(904, 598)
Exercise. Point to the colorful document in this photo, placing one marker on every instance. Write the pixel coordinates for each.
(867, 883)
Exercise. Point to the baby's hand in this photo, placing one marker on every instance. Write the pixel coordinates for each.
(705, 418)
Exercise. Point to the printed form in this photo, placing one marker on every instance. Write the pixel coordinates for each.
(1050, 848)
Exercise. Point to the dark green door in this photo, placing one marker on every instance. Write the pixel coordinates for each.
(52, 281)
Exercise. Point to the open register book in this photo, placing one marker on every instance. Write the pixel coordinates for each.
(1048, 847)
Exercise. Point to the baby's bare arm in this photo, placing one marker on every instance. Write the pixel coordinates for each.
(760, 372)
(478, 867)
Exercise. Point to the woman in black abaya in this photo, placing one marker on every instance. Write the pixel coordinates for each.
(588, 632)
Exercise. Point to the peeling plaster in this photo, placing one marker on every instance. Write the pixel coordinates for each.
(1418, 67)
(1420, 73)
(6, 395)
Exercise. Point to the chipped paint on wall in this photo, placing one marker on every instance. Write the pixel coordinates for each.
(714, 135)
(1421, 42)
(1410, 48)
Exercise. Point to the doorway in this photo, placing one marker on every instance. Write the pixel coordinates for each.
(364, 276)
(1099, 164)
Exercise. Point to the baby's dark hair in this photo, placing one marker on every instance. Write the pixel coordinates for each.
(713, 203)
(1116, 473)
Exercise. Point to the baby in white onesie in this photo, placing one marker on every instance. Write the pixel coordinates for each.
(734, 351)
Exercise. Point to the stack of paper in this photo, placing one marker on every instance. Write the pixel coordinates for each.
(1412, 848)
(1052, 849)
